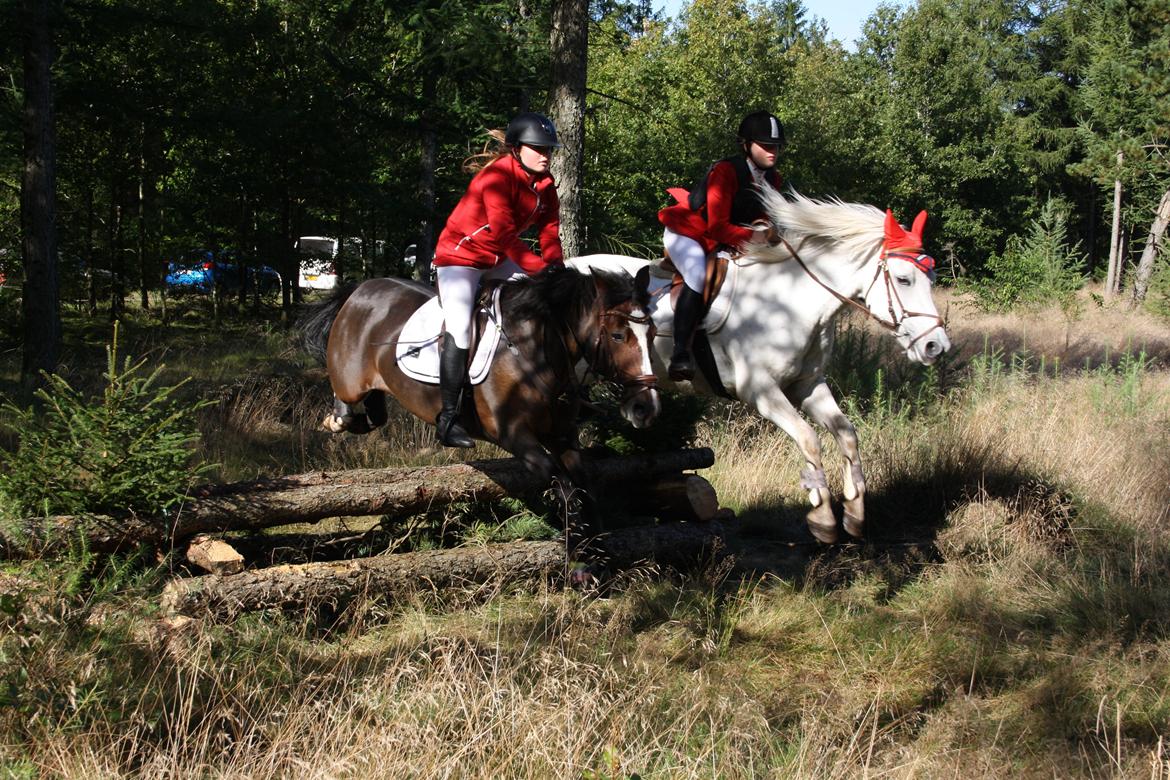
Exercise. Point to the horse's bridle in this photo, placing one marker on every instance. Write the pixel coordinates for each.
(634, 383)
(894, 324)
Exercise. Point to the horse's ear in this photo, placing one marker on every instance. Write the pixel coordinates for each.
(601, 279)
(893, 230)
(917, 227)
(642, 286)
(898, 238)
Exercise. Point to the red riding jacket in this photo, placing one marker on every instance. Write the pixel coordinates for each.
(502, 201)
(718, 228)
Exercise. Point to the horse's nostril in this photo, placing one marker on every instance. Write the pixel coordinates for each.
(933, 349)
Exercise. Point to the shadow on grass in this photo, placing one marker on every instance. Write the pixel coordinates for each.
(903, 522)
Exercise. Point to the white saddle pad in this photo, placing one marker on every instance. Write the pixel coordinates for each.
(417, 350)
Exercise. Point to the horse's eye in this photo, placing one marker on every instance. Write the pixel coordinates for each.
(618, 336)
(904, 281)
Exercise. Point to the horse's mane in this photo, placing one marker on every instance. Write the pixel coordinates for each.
(857, 227)
(561, 295)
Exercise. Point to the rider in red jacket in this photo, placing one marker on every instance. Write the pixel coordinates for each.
(699, 225)
(512, 193)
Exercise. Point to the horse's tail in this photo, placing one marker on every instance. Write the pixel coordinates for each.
(317, 320)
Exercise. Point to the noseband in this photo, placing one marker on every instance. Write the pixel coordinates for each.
(894, 324)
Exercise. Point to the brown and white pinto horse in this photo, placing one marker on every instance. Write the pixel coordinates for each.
(558, 325)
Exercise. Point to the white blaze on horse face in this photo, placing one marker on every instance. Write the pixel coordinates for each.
(642, 334)
(642, 407)
(905, 292)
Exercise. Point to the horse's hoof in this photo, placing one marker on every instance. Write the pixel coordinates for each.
(333, 423)
(827, 534)
(358, 424)
(822, 524)
(854, 526)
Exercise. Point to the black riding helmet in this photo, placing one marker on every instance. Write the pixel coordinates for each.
(532, 129)
(761, 127)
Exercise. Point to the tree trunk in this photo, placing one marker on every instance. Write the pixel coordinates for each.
(1150, 252)
(488, 566)
(569, 44)
(144, 274)
(1113, 276)
(117, 259)
(90, 254)
(290, 284)
(309, 498)
(41, 309)
(426, 182)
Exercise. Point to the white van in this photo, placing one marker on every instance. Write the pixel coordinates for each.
(316, 268)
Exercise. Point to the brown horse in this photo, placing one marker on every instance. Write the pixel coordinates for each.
(553, 323)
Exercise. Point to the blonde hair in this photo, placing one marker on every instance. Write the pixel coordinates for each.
(493, 149)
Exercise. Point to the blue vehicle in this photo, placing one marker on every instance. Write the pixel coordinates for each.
(209, 273)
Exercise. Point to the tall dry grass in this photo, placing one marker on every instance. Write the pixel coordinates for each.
(1011, 618)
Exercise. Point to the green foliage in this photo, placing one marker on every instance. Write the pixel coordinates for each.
(270, 118)
(674, 428)
(859, 373)
(521, 524)
(1035, 270)
(127, 450)
(1118, 391)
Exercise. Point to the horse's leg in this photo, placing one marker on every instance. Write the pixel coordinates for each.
(376, 412)
(561, 473)
(345, 417)
(587, 563)
(775, 406)
(819, 403)
(565, 446)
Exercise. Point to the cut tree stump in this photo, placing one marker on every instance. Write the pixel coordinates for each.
(680, 545)
(309, 498)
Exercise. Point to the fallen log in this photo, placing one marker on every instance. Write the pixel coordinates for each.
(309, 498)
(385, 577)
(686, 497)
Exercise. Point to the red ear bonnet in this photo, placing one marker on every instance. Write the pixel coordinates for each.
(899, 239)
(907, 243)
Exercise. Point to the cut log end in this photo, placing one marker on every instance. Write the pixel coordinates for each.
(214, 555)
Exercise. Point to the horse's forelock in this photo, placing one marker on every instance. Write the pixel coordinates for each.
(856, 226)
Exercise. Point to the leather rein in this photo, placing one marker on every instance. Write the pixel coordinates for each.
(894, 324)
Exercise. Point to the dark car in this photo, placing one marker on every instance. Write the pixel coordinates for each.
(210, 273)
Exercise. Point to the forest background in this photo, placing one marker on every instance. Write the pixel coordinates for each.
(216, 124)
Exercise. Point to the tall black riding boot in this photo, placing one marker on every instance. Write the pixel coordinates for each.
(452, 379)
(687, 311)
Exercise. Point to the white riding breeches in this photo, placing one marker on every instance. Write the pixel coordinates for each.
(458, 287)
(688, 257)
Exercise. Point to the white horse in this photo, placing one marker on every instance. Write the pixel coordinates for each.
(771, 330)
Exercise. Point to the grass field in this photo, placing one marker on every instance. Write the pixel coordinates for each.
(1009, 617)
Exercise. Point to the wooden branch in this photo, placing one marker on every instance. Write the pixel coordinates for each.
(386, 577)
(309, 498)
